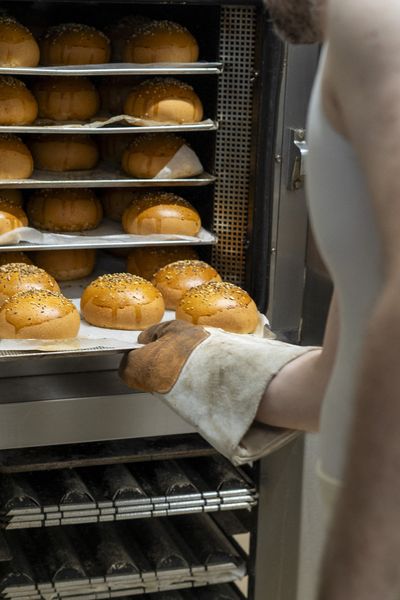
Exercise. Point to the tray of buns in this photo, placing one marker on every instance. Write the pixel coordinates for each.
(103, 176)
(100, 127)
(197, 68)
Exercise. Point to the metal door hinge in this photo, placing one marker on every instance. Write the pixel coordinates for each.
(298, 151)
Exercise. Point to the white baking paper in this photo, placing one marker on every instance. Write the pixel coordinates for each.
(92, 338)
(108, 231)
(185, 163)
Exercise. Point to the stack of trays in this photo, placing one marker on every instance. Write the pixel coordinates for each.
(117, 560)
(120, 492)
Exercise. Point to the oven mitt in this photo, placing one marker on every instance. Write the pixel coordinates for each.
(214, 380)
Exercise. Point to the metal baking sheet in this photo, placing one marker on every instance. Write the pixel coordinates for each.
(198, 68)
(108, 129)
(103, 176)
(108, 234)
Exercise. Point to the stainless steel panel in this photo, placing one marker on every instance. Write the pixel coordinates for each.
(290, 220)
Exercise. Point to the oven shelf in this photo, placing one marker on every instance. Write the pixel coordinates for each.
(215, 592)
(123, 492)
(208, 125)
(198, 68)
(109, 560)
(103, 176)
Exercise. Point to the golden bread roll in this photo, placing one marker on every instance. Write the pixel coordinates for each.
(14, 257)
(113, 93)
(13, 197)
(116, 201)
(120, 32)
(19, 277)
(175, 279)
(146, 261)
(66, 98)
(64, 152)
(18, 47)
(147, 154)
(65, 265)
(161, 212)
(122, 301)
(74, 44)
(40, 315)
(161, 41)
(67, 210)
(16, 211)
(17, 104)
(8, 222)
(15, 158)
(221, 305)
(165, 100)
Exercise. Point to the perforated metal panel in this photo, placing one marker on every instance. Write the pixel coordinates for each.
(233, 144)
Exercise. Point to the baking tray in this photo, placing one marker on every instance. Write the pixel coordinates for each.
(198, 68)
(122, 492)
(140, 556)
(102, 176)
(108, 129)
(107, 235)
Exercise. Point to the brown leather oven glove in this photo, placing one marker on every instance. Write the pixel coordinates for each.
(157, 366)
(214, 380)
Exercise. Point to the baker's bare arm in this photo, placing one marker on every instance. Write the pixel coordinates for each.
(362, 99)
(293, 398)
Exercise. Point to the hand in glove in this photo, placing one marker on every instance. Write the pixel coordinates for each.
(212, 379)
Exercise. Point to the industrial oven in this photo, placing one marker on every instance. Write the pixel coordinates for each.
(104, 492)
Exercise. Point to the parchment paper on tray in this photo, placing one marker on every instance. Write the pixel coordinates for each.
(108, 231)
(104, 120)
(92, 338)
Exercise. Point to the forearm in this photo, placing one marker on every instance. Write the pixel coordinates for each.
(362, 558)
(293, 398)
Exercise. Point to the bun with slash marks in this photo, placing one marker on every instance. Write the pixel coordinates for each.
(18, 47)
(66, 265)
(160, 42)
(122, 301)
(221, 305)
(175, 279)
(145, 262)
(67, 210)
(66, 98)
(19, 277)
(149, 153)
(15, 159)
(161, 212)
(64, 152)
(165, 100)
(116, 201)
(17, 104)
(122, 31)
(39, 314)
(74, 44)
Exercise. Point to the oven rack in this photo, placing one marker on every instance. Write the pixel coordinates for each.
(103, 176)
(217, 592)
(110, 560)
(198, 68)
(123, 492)
(208, 125)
